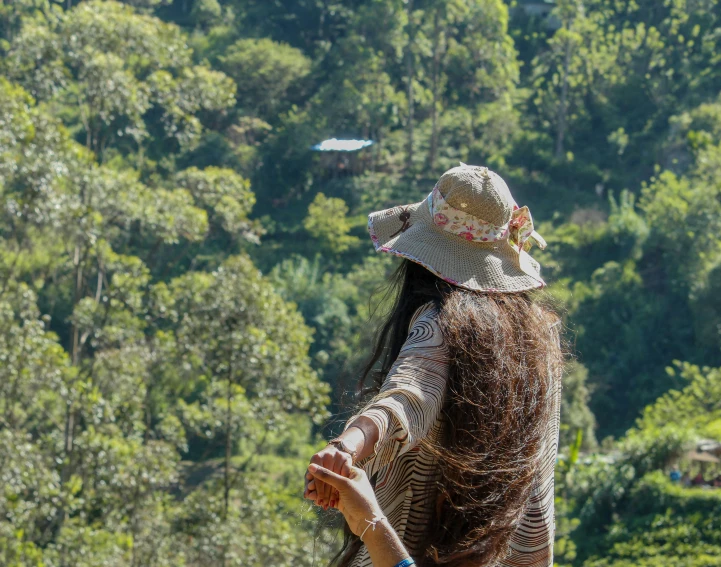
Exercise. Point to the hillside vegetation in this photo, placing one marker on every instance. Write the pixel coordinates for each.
(184, 284)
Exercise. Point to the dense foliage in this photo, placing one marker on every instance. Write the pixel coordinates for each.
(184, 283)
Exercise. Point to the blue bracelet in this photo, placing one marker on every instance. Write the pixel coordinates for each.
(406, 563)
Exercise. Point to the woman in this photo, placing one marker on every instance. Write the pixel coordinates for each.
(460, 440)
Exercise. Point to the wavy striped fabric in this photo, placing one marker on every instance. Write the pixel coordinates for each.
(408, 409)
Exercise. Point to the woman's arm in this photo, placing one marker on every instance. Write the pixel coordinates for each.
(402, 412)
(358, 504)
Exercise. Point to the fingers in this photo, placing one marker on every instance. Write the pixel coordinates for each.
(326, 492)
(342, 467)
(319, 486)
(346, 467)
(328, 477)
(310, 484)
(309, 492)
(340, 461)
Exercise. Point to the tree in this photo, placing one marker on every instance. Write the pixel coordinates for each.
(225, 196)
(410, 77)
(265, 73)
(575, 413)
(104, 437)
(251, 349)
(578, 69)
(327, 222)
(629, 511)
(108, 67)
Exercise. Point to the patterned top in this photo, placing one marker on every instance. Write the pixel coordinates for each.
(408, 409)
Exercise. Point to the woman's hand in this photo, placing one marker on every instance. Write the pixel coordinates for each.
(356, 499)
(330, 459)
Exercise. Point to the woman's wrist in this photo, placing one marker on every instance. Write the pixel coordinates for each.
(370, 533)
(363, 434)
(353, 440)
(384, 546)
(377, 518)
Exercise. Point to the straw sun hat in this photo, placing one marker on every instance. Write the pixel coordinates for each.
(469, 231)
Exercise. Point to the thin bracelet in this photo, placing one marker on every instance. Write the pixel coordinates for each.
(406, 563)
(373, 523)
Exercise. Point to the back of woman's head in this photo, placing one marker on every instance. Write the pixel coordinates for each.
(504, 364)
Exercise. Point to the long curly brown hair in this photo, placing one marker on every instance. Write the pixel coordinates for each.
(504, 359)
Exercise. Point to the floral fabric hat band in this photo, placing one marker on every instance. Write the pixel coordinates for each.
(519, 231)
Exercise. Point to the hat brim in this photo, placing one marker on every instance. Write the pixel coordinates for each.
(478, 266)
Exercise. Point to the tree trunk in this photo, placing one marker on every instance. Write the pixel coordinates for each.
(148, 412)
(409, 76)
(436, 70)
(75, 348)
(563, 103)
(228, 443)
(10, 404)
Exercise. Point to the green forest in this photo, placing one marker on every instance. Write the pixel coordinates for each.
(187, 290)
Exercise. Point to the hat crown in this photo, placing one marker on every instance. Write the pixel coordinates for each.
(479, 192)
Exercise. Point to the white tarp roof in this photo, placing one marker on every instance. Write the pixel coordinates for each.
(336, 145)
